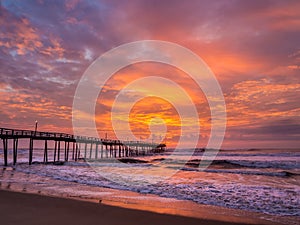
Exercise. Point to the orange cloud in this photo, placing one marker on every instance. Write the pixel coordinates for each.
(23, 37)
(21, 109)
(146, 111)
(284, 17)
(252, 102)
(153, 107)
(54, 48)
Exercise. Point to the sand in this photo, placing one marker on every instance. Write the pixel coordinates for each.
(20, 208)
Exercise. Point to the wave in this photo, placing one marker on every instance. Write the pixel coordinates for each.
(283, 174)
(260, 198)
(189, 165)
(236, 164)
(251, 172)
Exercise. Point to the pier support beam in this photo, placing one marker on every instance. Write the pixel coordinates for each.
(65, 151)
(91, 150)
(46, 152)
(58, 151)
(30, 150)
(106, 151)
(55, 149)
(79, 149)
(5, 151)
(76, 151)
(73, 150)
(96, 153)
(85, 150)
(15, 150)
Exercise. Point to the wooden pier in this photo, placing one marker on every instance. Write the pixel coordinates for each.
(74, 146)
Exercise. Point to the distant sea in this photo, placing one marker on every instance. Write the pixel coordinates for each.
(257, 180)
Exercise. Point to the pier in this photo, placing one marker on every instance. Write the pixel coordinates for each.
(74, 146)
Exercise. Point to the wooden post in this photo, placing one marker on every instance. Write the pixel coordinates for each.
(65, 150)
(46, 152)
(58, 151)
(106, 151)
(5, 151)
(55, 149)
(30, 150)
(15, 150)
(76, 151)
(85, 150)
(113, 151)
(73, 150)
(68, 149)
(96, 153)
(91, 150)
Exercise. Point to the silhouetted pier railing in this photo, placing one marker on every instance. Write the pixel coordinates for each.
(73, 146)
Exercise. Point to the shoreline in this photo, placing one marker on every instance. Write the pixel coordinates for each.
(164, 206)
(29, 208)
(49, 187)
(211, 195)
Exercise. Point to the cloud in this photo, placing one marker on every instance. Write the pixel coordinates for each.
(18, 35)
(21, 109)
(88, 54)
(260, 110)
(251, 46)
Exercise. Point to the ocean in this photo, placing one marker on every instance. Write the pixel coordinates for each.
(257, 180)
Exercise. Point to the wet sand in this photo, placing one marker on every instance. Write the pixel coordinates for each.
(16, 181)
(20, 208)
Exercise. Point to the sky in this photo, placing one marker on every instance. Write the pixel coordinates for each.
(252, 48)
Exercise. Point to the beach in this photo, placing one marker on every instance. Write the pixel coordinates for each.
(20, 208)
(240, 187)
